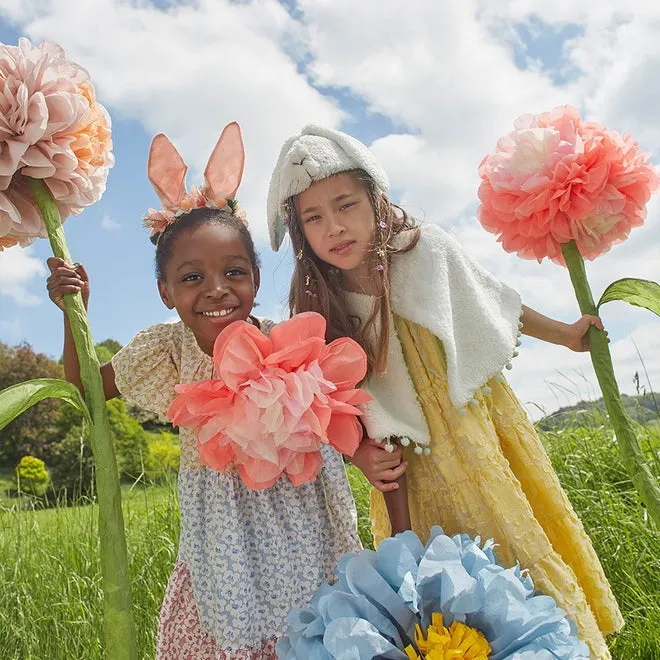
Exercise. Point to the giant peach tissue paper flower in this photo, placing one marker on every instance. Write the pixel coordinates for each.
(275, 401)
(557, 178)
(51, 128)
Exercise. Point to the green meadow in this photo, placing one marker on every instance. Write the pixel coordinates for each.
(50, 596)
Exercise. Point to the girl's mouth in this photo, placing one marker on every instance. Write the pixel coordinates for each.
(219, 312)
(343, 248)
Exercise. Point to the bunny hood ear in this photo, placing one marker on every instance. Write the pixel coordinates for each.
(166, 170)
(315, 154)
(224, 170)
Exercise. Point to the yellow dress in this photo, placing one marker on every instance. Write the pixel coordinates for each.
(489, 474)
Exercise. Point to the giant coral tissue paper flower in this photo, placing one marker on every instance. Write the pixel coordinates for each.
(51, 128)
(275, 401)
(556, 178)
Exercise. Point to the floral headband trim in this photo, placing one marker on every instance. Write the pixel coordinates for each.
(157, 221)
(166, 170)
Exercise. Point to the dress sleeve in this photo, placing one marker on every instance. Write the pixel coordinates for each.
(148, 367)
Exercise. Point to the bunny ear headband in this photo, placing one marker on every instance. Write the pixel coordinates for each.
(167, 172)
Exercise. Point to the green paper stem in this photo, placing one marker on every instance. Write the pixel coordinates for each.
(629, 447)
(118, 624)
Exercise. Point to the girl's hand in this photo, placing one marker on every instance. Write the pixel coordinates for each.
(576, 336)
(66, 279)
(380, 467)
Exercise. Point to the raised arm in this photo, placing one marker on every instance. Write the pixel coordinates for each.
(571, 335)
(65, 279)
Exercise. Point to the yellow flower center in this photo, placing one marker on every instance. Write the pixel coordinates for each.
(454, 643)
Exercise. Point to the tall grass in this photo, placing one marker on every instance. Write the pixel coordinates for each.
(50, 594)
(50, 587)
(587, 461)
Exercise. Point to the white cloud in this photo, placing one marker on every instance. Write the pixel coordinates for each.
(450, 76)
(17, 270)
(15, 10)
(275, 312)
(188, 70)
(615, 57)
(434, 184)
(439, 72)
(109, 224)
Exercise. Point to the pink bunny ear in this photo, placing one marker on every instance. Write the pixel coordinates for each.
(224, 170)
(166, 170)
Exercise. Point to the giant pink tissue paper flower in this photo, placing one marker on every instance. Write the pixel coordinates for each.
(275, 401)
(556, 178)
(51, 128)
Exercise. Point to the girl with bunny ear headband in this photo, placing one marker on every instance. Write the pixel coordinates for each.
(246, 557)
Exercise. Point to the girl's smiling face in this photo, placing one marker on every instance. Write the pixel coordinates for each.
(210, 280)
(338, 222)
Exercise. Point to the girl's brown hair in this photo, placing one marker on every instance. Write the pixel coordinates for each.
(317, 287)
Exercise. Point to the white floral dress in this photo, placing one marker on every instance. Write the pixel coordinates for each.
(245, 557)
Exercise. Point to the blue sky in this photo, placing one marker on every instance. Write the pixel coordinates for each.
(431, 97)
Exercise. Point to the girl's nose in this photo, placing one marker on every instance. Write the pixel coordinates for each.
(216, 288)
(335, 225)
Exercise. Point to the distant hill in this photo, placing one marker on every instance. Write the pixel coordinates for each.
(643, 408)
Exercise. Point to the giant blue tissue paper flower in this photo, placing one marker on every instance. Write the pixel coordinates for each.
(380, 598)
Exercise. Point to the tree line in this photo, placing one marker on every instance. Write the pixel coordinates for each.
(54, 433)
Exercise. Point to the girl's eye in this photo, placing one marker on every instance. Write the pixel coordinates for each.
(235, 272)
(347, 205)
(192, 277)
(312, 218)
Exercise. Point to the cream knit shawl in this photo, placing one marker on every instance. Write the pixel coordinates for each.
(438, 286)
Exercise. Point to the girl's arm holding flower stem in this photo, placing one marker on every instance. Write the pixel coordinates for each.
(571, 335)
(65, 279)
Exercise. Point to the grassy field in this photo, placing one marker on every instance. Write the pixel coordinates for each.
(50, 587)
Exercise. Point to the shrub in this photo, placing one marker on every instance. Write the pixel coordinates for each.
(130, 441)
(32, 476)
(164, 456)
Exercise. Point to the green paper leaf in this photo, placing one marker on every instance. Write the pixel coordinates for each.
(641, 293)
(16, 399)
